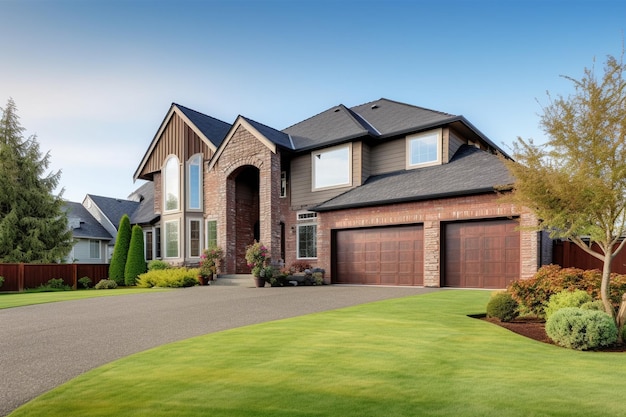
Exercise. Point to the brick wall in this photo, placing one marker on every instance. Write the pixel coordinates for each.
(431, 214)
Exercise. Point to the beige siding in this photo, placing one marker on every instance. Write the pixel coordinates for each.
(302, 195)
(455, 143)
(366, 163)
(388, 157)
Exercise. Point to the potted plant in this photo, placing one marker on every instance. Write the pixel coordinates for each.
(211, 259)
(256, 258)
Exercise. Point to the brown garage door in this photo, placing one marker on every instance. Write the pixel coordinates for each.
(380, 256)
(484, 254)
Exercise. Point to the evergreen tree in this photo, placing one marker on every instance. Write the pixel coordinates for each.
(33, 223)
(120, 251)
(136, 262)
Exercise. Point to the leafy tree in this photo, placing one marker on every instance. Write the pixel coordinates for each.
(120, 251)
(575, 183)
(33, 223)
(136, 262)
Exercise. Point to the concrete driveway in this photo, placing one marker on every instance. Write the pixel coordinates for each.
(43, 346)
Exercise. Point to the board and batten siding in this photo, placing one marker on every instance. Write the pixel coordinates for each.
(301, 187)
(176, 139)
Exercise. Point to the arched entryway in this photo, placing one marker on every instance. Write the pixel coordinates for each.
(245, 224)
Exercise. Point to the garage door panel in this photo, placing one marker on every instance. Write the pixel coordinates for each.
(382, 256)
(482, 254)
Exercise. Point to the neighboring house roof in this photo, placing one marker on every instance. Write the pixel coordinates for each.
(214, 129)
(144, 213)
(83, 224)
(471, 171)
(114, 208)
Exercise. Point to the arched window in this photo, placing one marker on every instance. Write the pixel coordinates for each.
(171, 185)
(194, 182)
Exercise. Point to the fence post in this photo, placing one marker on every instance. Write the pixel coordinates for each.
(20, 277)
(74, 276)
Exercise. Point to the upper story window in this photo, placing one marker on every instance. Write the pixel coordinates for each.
(194, 183)
(171, 185)
(332, 167)
(423, 149)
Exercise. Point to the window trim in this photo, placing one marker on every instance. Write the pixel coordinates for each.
(199, 238)
(192, 162)
(158, 243)
(317, 154)
(305, 218)
(409, 140)
(177, 222)
(176, 162)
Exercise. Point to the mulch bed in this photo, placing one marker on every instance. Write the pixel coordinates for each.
(535, 329)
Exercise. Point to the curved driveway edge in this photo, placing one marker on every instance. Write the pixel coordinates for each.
(45, 345)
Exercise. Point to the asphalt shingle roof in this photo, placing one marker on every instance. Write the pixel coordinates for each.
(144, 213)
(214, 129)
(380, 118)
(471, 171)
(114, 208)
(89, 226)
(275, 136)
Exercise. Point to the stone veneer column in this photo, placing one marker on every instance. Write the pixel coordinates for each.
(432, 253)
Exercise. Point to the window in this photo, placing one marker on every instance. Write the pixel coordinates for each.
(171, 239)
(94, 249)
(157, 243)
(211, 233)
(194, 238)
(307, 241)
(332, 167)
(424, 149)
(171, 185)
(283, 184)
(149, 245)
(194, 183)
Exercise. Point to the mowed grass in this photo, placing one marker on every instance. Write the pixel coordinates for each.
(416, 356)
(8, 300)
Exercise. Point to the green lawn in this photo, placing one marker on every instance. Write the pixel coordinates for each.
(8, 300)
(416, 356)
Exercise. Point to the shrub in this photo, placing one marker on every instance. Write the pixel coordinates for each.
(106, 284)
(580, 329)
(1, 280)
(135, 263)
(300, 266)
(533, 294)
(502, 306)
(57, 284)
(120, 251)
(566, 298)
(173, 277)
(596, 305)
(157, 265)
(85, 282)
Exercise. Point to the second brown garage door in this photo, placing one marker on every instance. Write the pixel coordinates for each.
(482, 254)
(380, 256)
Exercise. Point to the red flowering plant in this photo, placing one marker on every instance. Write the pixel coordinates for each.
(256, 257)
(211, 259)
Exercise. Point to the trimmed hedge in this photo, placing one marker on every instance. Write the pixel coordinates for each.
(502, 306)
(566, 298)
(136, 263)
(106, 284)
(173, 277)
(580, 329)
(120, 251)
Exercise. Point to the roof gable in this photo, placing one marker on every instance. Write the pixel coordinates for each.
(113, 208)
(83, 224)
(470, 171)
(209, 129)
(268, 136)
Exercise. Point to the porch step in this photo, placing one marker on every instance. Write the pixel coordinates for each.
(235, 280)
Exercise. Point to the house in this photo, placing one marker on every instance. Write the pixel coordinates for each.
(382, 193)
(90, 238)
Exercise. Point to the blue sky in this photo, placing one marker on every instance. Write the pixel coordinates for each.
(94, 79)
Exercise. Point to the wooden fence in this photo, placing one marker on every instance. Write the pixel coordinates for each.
(567, 254)
(17, 277)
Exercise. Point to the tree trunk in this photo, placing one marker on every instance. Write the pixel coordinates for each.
(620, 319)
